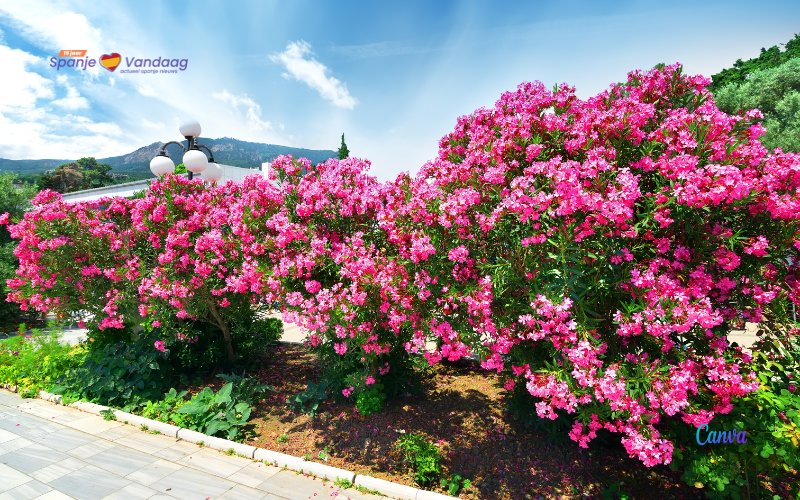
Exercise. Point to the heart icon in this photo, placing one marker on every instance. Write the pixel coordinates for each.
(110, 61)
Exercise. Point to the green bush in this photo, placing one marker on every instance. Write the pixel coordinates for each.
(217, 414)
(371, 400)
(33, 362)
(771, 418)
(247, 389)
(308, 401)
(224, 413)
(166, 410)
(14, 197)
(206, 352)
(120, 374)
(424, 457)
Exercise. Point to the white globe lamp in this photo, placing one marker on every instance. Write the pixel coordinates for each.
(195, 161)
(162, 165)
(190, 128)
(212, 173)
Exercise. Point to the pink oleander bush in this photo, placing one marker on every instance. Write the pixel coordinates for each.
(337, 275)
(77, 259)
(195, 267)
(596, 253)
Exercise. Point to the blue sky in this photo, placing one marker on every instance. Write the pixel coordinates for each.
(393, 77)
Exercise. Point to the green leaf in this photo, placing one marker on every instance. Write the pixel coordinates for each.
(224, 394)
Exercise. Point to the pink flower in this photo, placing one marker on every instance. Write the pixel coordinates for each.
(370, 380)
(4, 218)
(159, 345)
(313, 286)
(758, 248)
(347, 392)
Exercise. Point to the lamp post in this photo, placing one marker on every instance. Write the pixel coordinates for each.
(194, 156)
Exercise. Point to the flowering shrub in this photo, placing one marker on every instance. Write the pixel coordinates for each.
(194, 266)
(77, 259)
(169, 259)
(598, 251)
(337, 275)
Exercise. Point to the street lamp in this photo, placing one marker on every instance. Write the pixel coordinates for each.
(194, 156)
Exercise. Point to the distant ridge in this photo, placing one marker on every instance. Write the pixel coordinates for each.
(137, 163)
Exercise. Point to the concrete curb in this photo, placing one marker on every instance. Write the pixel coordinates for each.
(297, 464)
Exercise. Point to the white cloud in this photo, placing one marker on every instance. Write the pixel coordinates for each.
(299, 62)
(32, 124)
(146, 90)
(72, 101)
(153, 125)
(21, 87)
(244, 103)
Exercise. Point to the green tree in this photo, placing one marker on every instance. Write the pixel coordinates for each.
(767, 59)
(86, 173)
(343, 151)
(14, 197)
(776, 92)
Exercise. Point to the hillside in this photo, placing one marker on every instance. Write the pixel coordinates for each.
(137, 163)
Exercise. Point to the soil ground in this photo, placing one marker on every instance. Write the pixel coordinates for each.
(461, 408)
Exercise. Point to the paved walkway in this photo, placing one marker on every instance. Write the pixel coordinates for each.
(291, 333)
(49, 451)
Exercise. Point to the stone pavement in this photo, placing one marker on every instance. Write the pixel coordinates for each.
(291, 333)
(49, 451)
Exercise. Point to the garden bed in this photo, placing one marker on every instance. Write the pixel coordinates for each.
(462, 410)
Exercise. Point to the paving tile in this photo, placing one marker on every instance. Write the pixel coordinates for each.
(31, 489)
(117, 432)
(132, 491)
(64, 440)
(121, 460)
(28, 426)
(354, 494)
(151, 473)
(8, 398)
(91, 449)
(54, 495)
(240, 492)
(189, 483)
(56, 470)
(50, 412)
(145, 442)
(254, 474)
(213, 462)
(290, 484)
(14, 444)
(90, 424)
(10, 478)
(89, 483)
(177, 451)
(32, 458)
(6, 436)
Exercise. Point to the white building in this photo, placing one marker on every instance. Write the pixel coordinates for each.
(128, 189)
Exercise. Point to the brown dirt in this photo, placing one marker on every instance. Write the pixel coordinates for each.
(462, 409)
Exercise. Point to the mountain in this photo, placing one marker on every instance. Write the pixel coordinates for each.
(137, 163)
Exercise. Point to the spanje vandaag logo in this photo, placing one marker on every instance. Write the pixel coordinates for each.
(78, 60)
